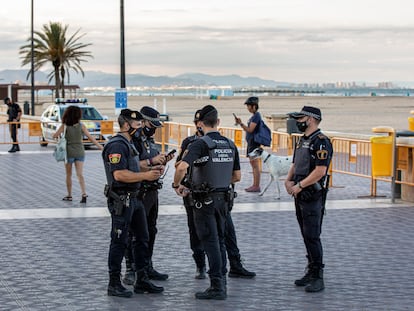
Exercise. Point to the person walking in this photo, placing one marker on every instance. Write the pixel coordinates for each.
(306, 183)
(14, 112)
(230, 239)
(74, 132)
(214, 165)
(252, 104)
(122, 170)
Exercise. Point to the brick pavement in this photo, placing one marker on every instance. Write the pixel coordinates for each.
(54, 254)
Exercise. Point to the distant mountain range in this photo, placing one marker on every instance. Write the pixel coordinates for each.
(103, 79)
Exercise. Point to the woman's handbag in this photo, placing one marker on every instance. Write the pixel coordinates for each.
(60, 149)
(263, 135)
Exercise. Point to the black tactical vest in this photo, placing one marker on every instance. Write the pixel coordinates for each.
(215, 171)
(133, 164)
(147, 148)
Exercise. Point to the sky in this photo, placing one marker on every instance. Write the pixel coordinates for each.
(312, 41)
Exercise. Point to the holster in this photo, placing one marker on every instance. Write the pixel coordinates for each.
(230, 196)
(118, 202)
(311, 193)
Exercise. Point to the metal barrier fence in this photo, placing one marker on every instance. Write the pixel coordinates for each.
(351, 156)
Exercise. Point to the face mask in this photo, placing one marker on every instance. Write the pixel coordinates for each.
(132, 130)
(149, 131)
(302, 126)
(137, 134)
(200, 131)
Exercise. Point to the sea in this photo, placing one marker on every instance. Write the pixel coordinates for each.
(220, 92)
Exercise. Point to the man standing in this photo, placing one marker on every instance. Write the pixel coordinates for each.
(305, 182)
(127, 211)
(214, 165)
(149, 157)
(233, 253)
(14, 113)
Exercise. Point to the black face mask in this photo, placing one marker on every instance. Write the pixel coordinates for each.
(302, 126)
(132, 130)
(148, 131)
(200, 131)
(137, 134)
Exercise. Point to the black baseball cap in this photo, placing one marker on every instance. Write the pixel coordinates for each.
(131, 114)
(253, 100)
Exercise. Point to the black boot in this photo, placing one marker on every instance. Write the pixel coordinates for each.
(316, 283)
(129, 277)
(12, 149)
(201, 273)
(305, 280)
(115, 287)
(200, 260)
(17, 148)
(143, 284)
(238, 271)
(155, 275)
(215, 291)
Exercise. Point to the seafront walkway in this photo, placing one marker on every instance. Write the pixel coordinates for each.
(53, 254)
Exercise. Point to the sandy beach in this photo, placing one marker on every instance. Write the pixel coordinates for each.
(340, 114)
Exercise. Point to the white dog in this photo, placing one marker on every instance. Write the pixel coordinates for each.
(277, 165)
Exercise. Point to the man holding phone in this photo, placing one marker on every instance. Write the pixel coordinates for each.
(150, 159)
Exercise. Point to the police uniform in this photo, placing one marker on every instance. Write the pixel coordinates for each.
(212, 160)
(311, 151)
(195, 243)
(149, 192)
(233, 252)
(127, 212)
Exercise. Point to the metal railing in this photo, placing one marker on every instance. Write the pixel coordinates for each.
(351, 156)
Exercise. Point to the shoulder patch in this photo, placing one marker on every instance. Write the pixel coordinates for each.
(322, 136)
(322, 154)
(114, 158)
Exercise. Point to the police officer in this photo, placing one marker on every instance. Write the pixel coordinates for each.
(150, 156)
(214, 165)
(233, 253)
(306, 183)
(127, 211)
(14, 113)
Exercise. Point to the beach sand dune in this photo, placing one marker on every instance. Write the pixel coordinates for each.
(340, 114)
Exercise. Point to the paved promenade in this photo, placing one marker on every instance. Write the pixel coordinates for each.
(53, 254)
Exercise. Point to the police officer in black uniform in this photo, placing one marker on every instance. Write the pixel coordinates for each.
(14, 113)
(150, 156)
(214, 165)
(233, 253)
(121, 161)
(307, 183)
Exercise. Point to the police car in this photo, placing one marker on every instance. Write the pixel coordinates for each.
(51, 120)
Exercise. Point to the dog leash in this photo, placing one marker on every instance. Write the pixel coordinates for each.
(267, 158)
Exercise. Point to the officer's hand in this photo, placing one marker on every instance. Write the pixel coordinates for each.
(289, 185)
(158, 159)
(169, 157)
(152, 175)
(182, 191)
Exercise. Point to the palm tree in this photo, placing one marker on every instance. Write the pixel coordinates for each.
(51, 46)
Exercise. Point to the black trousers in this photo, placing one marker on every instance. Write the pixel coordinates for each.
(13, 132)
(195, 243)
(210, 221)
(230, 240)
(309, 216)
(133, 219)
(150, 201)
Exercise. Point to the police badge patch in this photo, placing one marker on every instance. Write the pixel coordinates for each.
(322, 154)
(114, 158)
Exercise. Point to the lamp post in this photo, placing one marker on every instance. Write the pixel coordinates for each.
(32, 89)
(122, 47)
